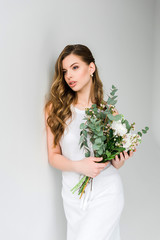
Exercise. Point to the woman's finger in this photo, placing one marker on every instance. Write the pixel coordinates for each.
(102, 165)
(130, 153)
(116, 158)
(121, 156)
(125, 155)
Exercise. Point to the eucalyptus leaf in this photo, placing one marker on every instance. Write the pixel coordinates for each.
(81, 145)
(85, 133)
(117, 117)
(114, 91)
(111, 117)
(114, 97)
(96, 146)
(100, 133)
(87, 154)
(100, 151)
(127, 124)
(98, 128)
(140, 134)
(98, 141)
(82, 126)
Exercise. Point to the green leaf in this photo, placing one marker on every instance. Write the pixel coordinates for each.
(85, 143)
(114, 102)
(103, 138)
(100, 133)
(113, 92)
(119, 149)
(111, 157)
(114, 118)
(94, 105)
(109, 101)
(143, 131)
(92, 140)
(98, 141)
(95, 147)
(108, 153)
(100, 151)
(140, 134)
(81, 145)
(114, 97)
(81, 138)
(87, 154)
(99, 121)
(127, 124)
(85, 133)
(110, 116)
(82, 125)
(98, 128)
(117, 117)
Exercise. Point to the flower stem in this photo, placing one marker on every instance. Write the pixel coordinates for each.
(78, 184)
(84, 187)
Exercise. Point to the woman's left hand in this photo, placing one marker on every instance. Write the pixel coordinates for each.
(118, 162)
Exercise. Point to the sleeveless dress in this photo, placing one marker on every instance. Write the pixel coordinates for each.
(97, 214)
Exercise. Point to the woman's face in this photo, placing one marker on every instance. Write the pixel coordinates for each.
(76, 72)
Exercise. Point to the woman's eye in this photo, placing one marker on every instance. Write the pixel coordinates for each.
(75, 67)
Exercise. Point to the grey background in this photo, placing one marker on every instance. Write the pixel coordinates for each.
(124, 37)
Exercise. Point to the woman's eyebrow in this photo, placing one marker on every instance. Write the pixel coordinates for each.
(70, 66)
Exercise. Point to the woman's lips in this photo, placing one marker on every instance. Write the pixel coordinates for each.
(72, 84)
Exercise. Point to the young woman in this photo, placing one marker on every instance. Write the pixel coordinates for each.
(76, 86)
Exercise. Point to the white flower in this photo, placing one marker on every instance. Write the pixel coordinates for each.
(127, 141)
(119, 128)
(130, 141)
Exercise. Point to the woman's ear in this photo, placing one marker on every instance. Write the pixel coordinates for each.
(92, 68)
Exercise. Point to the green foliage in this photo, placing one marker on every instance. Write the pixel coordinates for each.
(143, 131)
(97, 119)
(114, 118)
(97, 128)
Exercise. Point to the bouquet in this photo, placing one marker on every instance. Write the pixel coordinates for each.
(109, 134)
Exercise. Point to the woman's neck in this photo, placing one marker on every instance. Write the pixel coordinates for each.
(83, 105)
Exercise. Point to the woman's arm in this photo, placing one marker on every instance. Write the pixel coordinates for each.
(55, 157)
(62, 163)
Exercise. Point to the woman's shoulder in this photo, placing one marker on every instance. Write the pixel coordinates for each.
(48, 107)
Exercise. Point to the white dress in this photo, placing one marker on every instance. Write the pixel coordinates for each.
(97, 214)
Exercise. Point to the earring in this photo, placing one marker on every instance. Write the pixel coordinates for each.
(92, 74)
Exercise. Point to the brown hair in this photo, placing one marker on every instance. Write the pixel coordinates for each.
(62, 96)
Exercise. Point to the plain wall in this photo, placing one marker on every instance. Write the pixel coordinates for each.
(124, 37)
(156, 75)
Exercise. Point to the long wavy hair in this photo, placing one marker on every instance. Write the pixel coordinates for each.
(62, 96)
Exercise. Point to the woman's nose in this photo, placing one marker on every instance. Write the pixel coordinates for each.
(69, 75)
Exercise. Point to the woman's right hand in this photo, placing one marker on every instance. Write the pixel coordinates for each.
(90, 167)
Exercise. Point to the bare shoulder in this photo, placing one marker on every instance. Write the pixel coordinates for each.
(50, 137)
